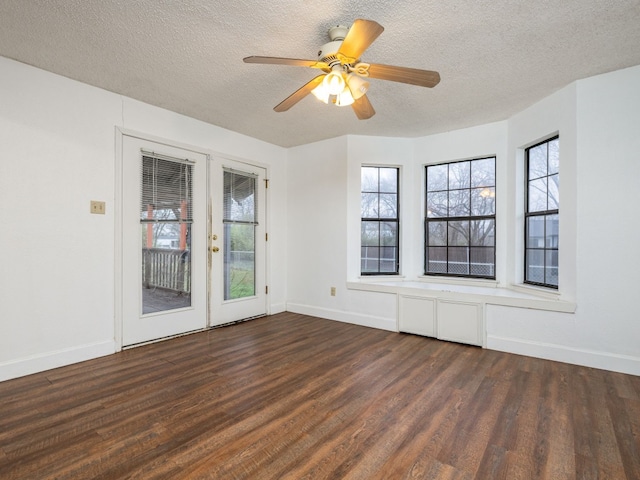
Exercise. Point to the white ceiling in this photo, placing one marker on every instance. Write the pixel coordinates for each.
(495, 57)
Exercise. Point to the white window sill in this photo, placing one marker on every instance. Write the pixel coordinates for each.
(481, 292)
(380, 278)
(472, 282)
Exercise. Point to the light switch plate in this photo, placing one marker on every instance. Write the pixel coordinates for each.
(98, 207)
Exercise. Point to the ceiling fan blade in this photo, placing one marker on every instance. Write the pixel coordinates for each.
(363, 108)
(299, 94)
(413, 76)
(361, 34)
(287, 61)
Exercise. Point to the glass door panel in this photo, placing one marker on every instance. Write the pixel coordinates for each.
(240, 221)
(237, 241)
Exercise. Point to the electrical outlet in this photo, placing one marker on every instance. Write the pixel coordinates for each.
(333, 291)
(98, 207)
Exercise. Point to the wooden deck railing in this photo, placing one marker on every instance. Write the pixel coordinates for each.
(166, 268)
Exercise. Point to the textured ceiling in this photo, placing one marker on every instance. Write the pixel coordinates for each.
(495, 57)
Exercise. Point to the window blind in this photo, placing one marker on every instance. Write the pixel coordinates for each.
(240, 202)
(167, 190)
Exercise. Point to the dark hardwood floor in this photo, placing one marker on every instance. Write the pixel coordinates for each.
(297, 397)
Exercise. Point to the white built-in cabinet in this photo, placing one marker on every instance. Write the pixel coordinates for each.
(417, 315)
(444, 319)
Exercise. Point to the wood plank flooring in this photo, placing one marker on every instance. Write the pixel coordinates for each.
(297, 397)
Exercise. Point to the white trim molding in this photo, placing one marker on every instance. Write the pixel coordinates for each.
(346, 317)
(561, 353)
(59, 358)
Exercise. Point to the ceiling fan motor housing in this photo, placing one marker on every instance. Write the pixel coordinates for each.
(338, 32)
(328, 51)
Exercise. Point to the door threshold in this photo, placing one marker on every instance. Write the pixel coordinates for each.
(262, 315)
(162, 339)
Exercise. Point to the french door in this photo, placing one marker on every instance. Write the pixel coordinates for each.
(237, 241)
(164, 240)
(193, 236)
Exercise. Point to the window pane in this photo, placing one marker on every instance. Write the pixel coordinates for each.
(388, 205)
(369, 259)
(437, 233)
(552, 230)
(459, 175)
(388, 259)
(482, 261)
(459, 260)
(437, 260)
(459, 233)
(370, 234)
(459, 203)
(535, 266)
(554, 156)
(166, 267)
(554, 197)
(437, 204)
(369, 205)
(483, 173)
(389, 180)
(369, 179)
(535, 232)
(538, 161)
(437, 178)
(483, 201)
(482, 233)
(239, 261)
(389, 234)
(551, 271)
(538, 195)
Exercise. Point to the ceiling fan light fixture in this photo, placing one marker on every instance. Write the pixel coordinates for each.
(342, 99)
(321, 93)
(334, 83)
(357, 85)
(345, 98)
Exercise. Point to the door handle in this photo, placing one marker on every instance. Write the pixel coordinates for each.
(215, 249)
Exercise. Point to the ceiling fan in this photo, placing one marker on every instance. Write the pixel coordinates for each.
(344, 79)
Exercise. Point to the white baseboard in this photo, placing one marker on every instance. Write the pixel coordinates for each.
(277, 308)
(59, 358)
(561, 353)
(346, 317)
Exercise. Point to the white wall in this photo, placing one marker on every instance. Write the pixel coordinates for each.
(57, 148)
(318, 237)
(607, 215)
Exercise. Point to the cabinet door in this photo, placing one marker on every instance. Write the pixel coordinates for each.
(417, 315)
(460, 322)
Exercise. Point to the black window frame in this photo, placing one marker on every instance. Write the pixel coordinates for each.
(540, 213)
(380, 220)
(459, 218)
